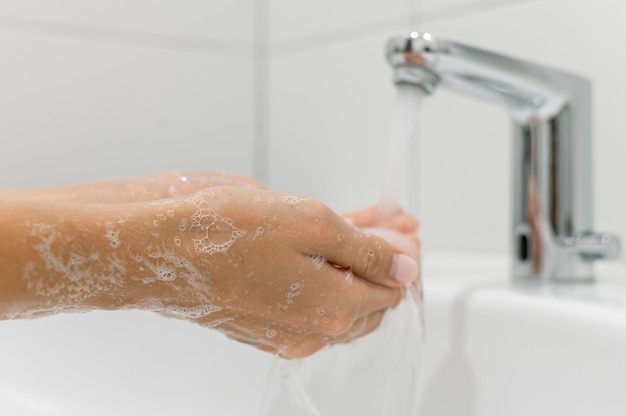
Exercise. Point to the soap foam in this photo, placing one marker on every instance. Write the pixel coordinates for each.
(192, 312)
(293, 199)
(168, 267)
(318, 261)
(211, 233)
(83, 274)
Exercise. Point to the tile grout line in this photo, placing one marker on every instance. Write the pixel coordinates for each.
(125, 37)
(468, 9)
(347, 34)
(199, 44)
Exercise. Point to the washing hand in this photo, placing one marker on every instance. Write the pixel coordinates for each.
(280, 272)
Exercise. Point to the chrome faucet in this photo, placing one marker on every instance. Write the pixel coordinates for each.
(551, 229)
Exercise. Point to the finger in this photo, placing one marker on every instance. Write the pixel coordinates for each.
(401, 242)
(305, 347)
(402, 222)
(316, 342)
(370, 257)
(390, 217)
(372, 215)
(275, 337)
(364, 326)
(414, 239)
(349, 299)
(334, 299)
(360, 218)
(375, 297)
(214, 179)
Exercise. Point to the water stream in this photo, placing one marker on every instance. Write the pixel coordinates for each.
(377, 374)
(401, 147)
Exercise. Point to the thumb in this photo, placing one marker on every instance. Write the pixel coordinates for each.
(398, 241)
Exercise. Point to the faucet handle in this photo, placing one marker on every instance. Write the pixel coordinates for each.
(591, 245)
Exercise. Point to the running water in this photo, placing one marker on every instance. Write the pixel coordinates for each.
(402, 146)
(376, 374)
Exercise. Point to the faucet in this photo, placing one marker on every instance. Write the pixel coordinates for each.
(551, 230)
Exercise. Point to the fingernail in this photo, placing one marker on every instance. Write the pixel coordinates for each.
(404, 269)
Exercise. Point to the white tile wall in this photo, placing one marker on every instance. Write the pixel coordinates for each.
(296, 20)
(75, 108)
(329, 111)
(435, 10)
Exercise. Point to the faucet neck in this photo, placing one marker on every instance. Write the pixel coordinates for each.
(552, 173)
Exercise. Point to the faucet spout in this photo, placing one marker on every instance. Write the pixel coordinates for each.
(551, 235)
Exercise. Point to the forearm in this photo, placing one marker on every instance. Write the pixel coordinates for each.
(130, 189)
(79, 257)
(281, 272)
(56, 258)
(110, 191)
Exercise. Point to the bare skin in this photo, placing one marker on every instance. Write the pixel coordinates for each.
(280, 272)
(133, 189)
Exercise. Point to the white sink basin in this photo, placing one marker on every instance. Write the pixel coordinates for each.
(494, 348)
(491, 349)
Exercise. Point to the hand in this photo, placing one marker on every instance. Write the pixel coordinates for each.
(396, 226)
(388, 217)
(133, 189)
(280, 272)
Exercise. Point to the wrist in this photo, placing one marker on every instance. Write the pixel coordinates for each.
(57, 258)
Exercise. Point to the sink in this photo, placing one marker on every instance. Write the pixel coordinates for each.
(498, 348)
(492, 348)
(125, 363)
